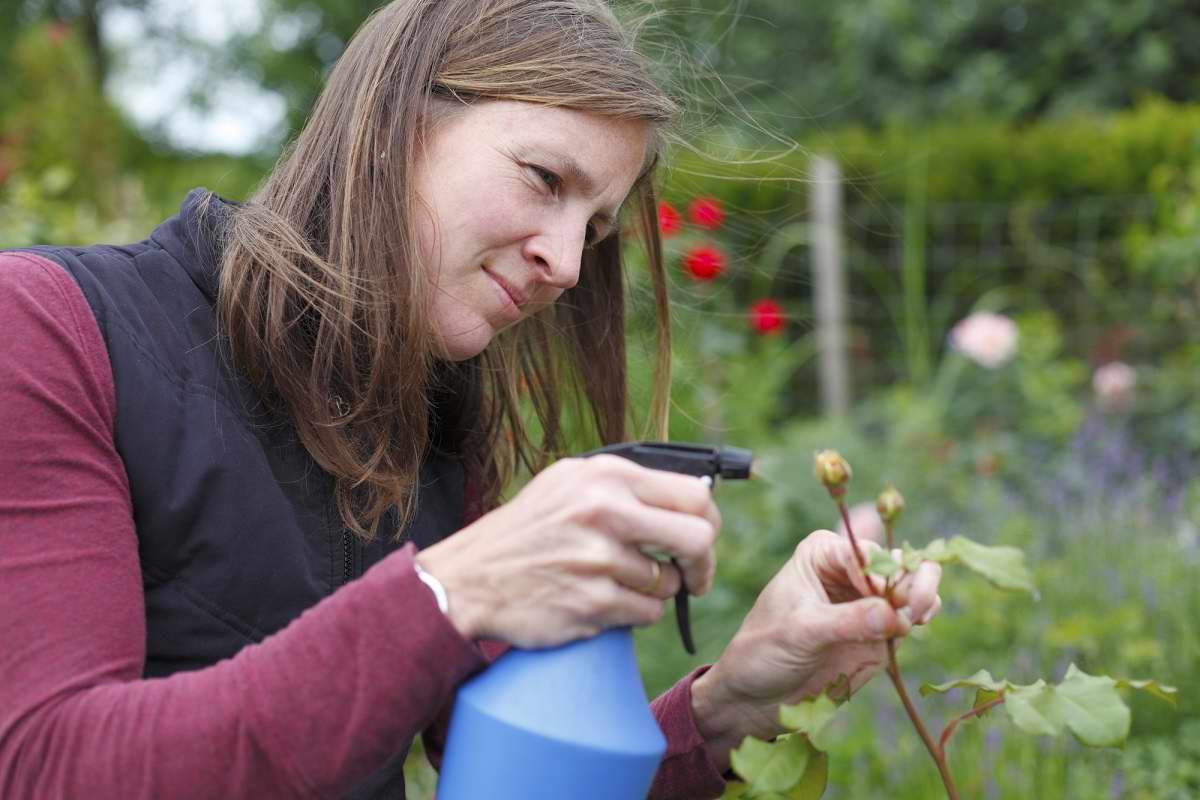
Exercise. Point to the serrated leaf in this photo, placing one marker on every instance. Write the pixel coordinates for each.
(881, 563)
(986, 687)
(1086, 705)
(771, 766)
(980, 680)
(936, 550)
(816, 778)
(1003, 567)
(1033, 710)
(810, 717)
(1155, 688)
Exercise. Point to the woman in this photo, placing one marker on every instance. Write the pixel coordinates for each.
(225, 445)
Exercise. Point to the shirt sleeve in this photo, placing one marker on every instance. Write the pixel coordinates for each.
(687, 771)
(311, 710)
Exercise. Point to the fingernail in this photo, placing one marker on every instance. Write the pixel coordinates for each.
(878, 619)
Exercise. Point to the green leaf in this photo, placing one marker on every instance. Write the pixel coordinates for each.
(986, 687)
(816, 777)
(771, 766)
(1155, 688)
(881, 563)
(810, 717)
(934, 551)
(1003, 567)
(1087, 705)
(980, 680)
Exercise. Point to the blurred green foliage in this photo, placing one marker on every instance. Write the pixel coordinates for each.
(826, 63)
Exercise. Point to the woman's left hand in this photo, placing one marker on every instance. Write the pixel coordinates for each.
(814, 625)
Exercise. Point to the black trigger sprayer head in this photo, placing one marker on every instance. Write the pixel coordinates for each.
(700, 460)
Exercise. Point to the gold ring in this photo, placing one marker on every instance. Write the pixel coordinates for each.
(657, 567)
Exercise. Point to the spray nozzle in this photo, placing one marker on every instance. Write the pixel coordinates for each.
(711, 461)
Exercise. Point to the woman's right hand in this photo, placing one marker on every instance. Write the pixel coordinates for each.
(564, 559)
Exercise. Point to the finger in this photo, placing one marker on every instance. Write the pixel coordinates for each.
(662, 489)
(618, 605)
(932, 612)
(645, 574)
(868, 620)
(918, 590)
(688, 538)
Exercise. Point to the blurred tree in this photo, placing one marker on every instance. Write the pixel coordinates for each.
(793, 65)
(295, 47)
(86, 15)
(873, 61)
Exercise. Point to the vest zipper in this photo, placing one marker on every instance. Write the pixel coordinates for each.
(348, 557)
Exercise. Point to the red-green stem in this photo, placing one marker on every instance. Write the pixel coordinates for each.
(858, 556)
(938, 754)
(974, 712)
(893, 669)
(891, 543)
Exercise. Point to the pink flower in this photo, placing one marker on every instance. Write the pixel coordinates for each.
(704, 263)
(707, 212)
(867, 524)
(669, 221)
(1114, 384)
(766, 316)
(988, 339)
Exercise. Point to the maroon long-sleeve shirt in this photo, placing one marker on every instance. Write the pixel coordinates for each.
(76, 717)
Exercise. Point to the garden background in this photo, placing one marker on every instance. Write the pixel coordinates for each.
(1040, 162)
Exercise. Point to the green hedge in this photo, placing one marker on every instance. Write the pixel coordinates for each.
(966, 161)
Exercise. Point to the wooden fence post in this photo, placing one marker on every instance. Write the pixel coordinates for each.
(829, 286)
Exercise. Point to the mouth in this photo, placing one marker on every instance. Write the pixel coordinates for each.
(514, 298)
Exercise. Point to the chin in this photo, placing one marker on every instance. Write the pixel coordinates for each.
(468, 345)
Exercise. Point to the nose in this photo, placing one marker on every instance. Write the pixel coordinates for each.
(557, 253)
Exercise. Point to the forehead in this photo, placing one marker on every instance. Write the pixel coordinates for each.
(599, 149)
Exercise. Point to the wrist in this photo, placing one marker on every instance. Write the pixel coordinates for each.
(444, 584)
(716, 719)
(435, 586)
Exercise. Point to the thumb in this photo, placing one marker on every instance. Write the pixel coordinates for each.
(868, 620)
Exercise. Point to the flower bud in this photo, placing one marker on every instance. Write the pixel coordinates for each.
(832, 470)
(889, 504)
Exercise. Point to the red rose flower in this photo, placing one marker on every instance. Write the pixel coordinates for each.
(704, 263)
(766, 316)
(57, 31)
(707, 212)
(669, 221)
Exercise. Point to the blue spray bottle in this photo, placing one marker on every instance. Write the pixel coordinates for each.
(571, 721)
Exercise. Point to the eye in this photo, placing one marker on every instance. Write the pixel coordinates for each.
(550, 179)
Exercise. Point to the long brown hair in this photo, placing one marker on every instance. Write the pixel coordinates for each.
(323, 297)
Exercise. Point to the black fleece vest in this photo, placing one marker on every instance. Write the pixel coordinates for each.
(237, 528)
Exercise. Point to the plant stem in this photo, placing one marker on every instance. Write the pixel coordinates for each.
(938, 754)
(891, 543)
(893, 668)
(858, 556)
(974, 712)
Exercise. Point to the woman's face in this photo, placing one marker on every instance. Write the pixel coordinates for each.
(509, 194)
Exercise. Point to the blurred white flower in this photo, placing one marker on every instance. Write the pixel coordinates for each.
(986, 338)
(1114, 384)
(868, 525)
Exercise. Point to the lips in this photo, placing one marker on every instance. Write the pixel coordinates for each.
(518, 297)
